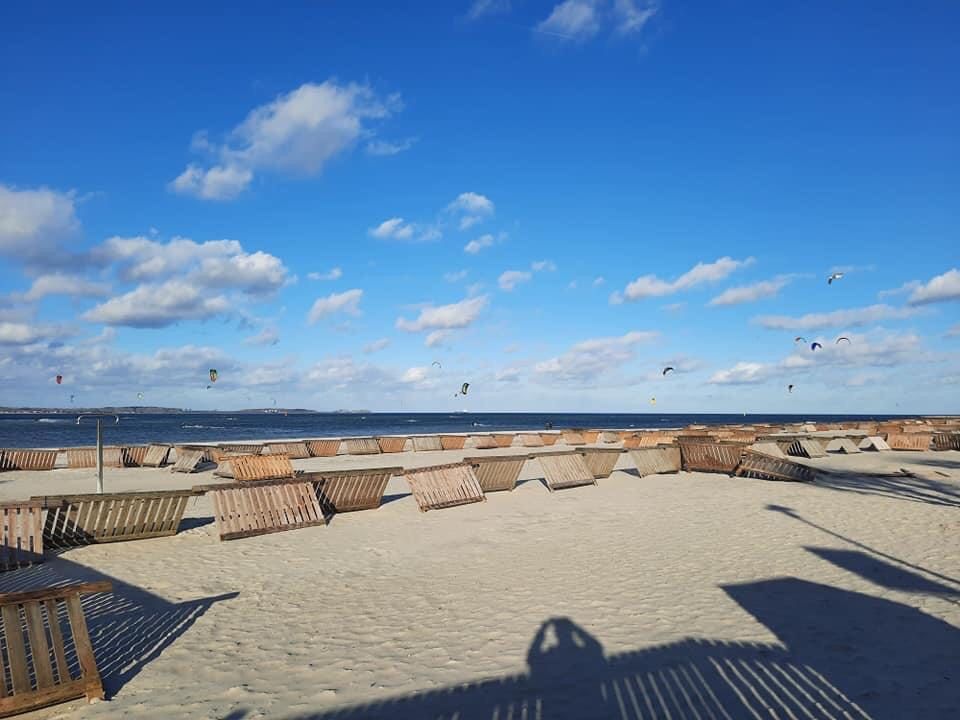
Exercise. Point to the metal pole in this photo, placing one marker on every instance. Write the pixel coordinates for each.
(99, 457)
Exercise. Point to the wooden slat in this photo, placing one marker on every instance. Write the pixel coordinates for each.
(323, 448)
(497, 473)
(565, 470)
(259, 508)
(350, 490)
(600, 461)
(361, 446)
(656, 460)
(443, 486)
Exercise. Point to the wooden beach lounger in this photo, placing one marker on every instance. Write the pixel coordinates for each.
(87, 457)
(496, 473)
(13, 459)
(22, 541)
(710, 456)
(258, 508)
(764, 467)
(842, 445)
(156, 456)
(806, 448)
(600, 461)
(350, 490)
(49, 656)
(656, 460)
(564, 470)
(443, 486)
(74, 520)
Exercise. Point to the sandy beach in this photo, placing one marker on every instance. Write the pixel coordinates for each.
(688, 595)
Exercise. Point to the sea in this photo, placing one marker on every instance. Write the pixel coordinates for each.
(59, 430)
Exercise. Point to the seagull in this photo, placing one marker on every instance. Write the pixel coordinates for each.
(834, 276)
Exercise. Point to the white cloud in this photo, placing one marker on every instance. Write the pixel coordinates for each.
(751, 293)
(346, 302)
(15, 333)
(297, 133)
(452, 277)
(854, 317)
(572, 20)
(942, 288)
(376, 346)
(332, 274)
(587, 360)
(60, 284)
(598, 281)
(386, 147)
(267, 336)
(481, 8)
(509, 279)
(647, 286)
(437, 338)
(543, 266)
(158, 305)
(35, 222)
(475, 246)
(445, 317)
(743, 373)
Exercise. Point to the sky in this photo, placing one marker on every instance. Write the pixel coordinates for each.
(364, 205)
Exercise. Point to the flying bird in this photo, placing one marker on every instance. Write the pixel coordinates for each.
(834, 276)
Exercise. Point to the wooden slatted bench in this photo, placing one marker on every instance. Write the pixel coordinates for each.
(250, 468)
(425, 443)
(156, 455)
(496, 473)
(22, 528)
(564, 470)
(361, 446)
(293, 450)
(74, 520)
(711, 457)
(15, 459)
(656, 460)
(765, 467)
(323, 448)
(600, 461)
(391, 444)
(262, 507)
(444, 486)
(350, 490)
(49, 658)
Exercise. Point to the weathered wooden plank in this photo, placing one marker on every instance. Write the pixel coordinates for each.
(443, 486)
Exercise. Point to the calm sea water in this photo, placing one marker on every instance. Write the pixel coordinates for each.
(61, 430)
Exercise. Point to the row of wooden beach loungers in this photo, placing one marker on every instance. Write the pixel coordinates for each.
(48, 656)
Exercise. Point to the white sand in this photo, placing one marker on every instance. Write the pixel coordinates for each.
(383, 604)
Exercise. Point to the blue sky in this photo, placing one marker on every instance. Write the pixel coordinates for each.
(553, 200)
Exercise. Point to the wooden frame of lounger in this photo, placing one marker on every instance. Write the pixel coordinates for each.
(87, 457)
(443, 486)
(42, 629)
(74, 520)
(806, 447)
(916, 441)
(17, 459)
(600, 461)
(765, 467)
(262, 507)
(564, 469)
(350, 490)
(21, 543)
(497, 473)
(656, 460)
(324, 447)
(711, 457)
(360, 446)
(293, 450)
